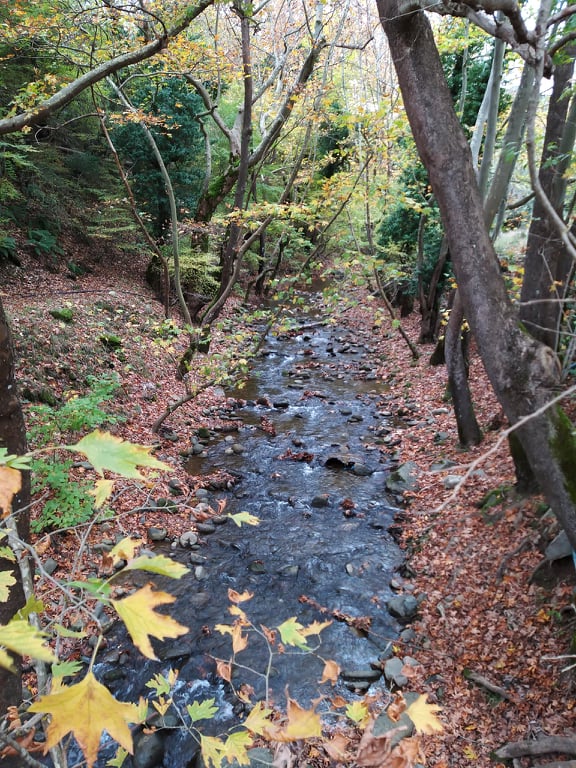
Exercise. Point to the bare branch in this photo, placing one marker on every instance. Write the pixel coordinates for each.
(69, 92)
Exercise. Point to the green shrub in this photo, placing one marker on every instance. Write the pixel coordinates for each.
(70, 502)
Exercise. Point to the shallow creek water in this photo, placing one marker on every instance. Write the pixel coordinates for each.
(317, 389)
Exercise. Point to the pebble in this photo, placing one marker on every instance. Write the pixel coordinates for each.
(188, 539)
(157, 534)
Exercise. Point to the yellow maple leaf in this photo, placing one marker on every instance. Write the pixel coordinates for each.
(86, 710)
(235, 748)
(10, 484)
(423, 715)
(257, 721)
(7, 580)
(137, 612)
(102, 491)
(301, 724)
(21, 637)
(212, 749)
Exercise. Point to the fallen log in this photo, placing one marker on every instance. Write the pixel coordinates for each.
(565, 745)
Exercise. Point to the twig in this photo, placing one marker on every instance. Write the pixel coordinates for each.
(390, 308)
(492, 687)
(22, 753)
(562, 744)
(506, 559)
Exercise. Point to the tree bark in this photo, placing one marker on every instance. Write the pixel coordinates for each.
(12, 437)
(522, 371)
(469, 432)
(548, 266)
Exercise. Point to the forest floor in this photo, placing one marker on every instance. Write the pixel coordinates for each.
(482, 614)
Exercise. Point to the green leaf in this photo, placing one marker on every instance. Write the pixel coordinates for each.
(105, 451)
(160, 564)
(65, 632)
(244, 517)
(7, 553)
(66, 668)
(291, 632)
(33, 605)
(357, 711)
(118, 761)
(97, 587)
(14, 461)
(201, 710)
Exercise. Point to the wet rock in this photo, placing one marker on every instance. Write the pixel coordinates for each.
(368, 674)
(219, 519)
(197, 559)
(403, 607)
(280, 404)
(148, 750)
(157, 534)
(393, 672)
(322, 500)
(176, 651)
(201, 493)
(403, 479)
(361, 470)
(200, 573)
(205, 528)
(238, 448)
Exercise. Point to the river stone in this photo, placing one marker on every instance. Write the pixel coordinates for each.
(404, 478)
(148, 750)
(361, 470)
(205, 528)
(188, 538)
(219, 519)
(322, 500)
(197, 559)
(200, 573)
(559, 547)
(50, 565)
(393, 672)
(201, 493)
(237, 448)
(383, 724)
(157, 534)
(176, 651)
(367, 674)
(403, 607)
(452, 481)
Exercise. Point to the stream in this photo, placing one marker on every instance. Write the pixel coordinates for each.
(304, 450)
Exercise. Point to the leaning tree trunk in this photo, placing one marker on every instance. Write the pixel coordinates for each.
(12, 437)
(548, 266)
(522, 371)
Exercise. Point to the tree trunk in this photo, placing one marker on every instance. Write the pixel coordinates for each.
(469, 432)
(548, 266)
(12, 437)
(522, 371)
